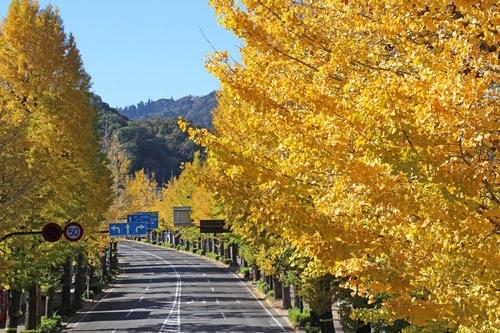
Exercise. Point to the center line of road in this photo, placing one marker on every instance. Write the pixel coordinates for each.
(175, 310)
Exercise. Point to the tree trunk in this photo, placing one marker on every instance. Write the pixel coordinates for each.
(269, 280)
(49, 302)
(13, 310)
(277, 288)
(104, 265)
(66, 288)
(234, 253)
(287, 299)
(114, 256)
(364, 328)
(256, 272)
(210, 245)
(326, 322)
(32, 314)
(79, 282)
(221, 249)
(297, 300)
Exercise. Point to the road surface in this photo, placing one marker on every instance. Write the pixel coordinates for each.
(165, 290)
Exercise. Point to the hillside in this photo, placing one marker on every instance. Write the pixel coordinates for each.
(156, 145)
(196, 109)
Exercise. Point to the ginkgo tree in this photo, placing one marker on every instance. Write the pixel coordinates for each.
(52, 168)
(186, 191)
(367, 134)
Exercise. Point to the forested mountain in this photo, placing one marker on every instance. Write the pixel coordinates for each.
(156, 145)
(196, 109)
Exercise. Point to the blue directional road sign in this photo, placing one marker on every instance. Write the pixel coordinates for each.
(122, 230)
(150, 218)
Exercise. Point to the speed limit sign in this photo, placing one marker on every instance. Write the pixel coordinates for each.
(73, 231)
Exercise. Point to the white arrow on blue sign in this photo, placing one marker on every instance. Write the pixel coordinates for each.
(120, 230)
(150, 218)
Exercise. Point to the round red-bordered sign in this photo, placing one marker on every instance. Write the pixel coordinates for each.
(73, 231)
(51, 232)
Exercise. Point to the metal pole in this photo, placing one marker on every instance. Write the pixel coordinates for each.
(19, 233)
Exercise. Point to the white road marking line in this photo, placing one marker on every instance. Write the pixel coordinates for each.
(129, 313)
(176, 307)
(92, 308)
(261, 304)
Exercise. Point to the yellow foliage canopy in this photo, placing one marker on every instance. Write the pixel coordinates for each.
(51, 166)
(367, 134)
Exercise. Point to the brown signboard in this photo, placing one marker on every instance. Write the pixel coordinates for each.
(213, 226)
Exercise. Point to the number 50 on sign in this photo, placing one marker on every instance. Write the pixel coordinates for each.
(73, 231)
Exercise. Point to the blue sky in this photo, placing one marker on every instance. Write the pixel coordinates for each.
(140, 50)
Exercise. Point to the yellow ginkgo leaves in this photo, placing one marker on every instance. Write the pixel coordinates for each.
(363, 131)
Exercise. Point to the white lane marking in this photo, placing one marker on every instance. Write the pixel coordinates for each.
(129, 313)
(91, 309)
(261, 304)
(213, 290)
(223, 315)
(176, 305)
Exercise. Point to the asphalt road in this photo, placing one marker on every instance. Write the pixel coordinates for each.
(164, 290)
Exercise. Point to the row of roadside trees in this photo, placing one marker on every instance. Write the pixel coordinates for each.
(364, 136)
(273, 260)
(54, 167)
